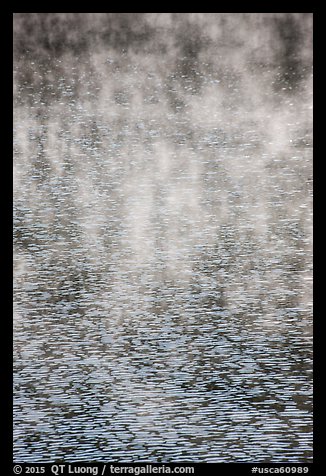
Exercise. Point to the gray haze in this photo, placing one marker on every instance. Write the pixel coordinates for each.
(163, 237)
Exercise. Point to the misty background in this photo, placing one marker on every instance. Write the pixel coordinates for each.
(163, 237)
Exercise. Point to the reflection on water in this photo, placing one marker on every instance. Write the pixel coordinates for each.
(162, 237)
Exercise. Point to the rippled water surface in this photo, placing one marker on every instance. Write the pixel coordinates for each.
(162, 237)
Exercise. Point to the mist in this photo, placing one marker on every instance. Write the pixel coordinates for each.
(163, 237)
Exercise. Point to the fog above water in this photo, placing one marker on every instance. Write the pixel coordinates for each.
(163, 236)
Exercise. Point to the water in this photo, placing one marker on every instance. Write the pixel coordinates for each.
(162, 237)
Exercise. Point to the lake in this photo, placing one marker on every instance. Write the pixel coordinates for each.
(163, 237)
